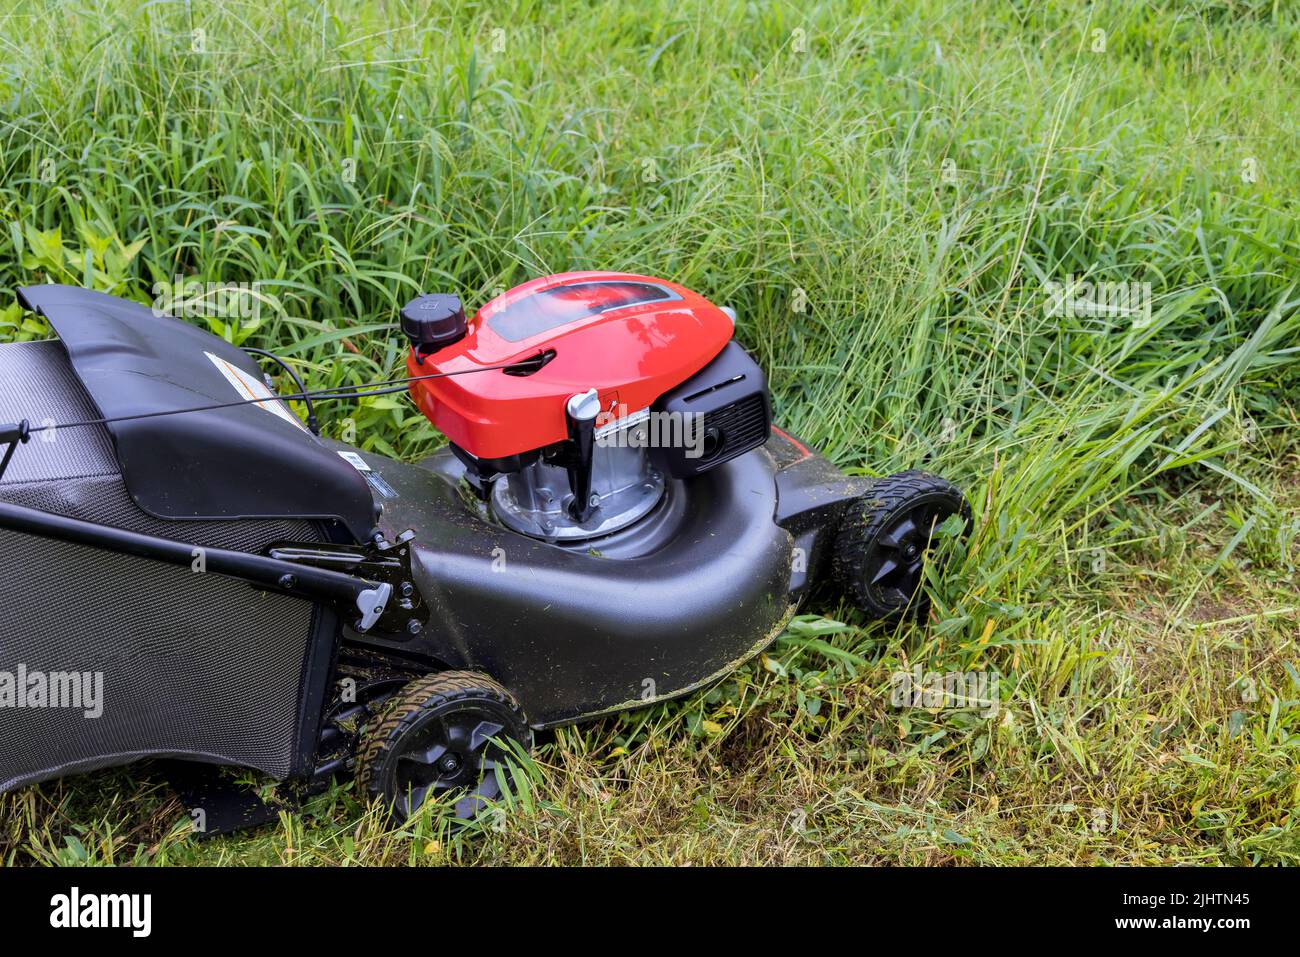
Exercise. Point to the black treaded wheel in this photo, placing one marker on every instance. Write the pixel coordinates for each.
(440, 733)
(880, 548)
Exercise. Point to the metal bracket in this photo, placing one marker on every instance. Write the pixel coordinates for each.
(400, 611)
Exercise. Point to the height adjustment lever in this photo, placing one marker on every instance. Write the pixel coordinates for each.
(580, 412)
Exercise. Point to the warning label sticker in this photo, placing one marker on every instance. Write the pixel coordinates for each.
(356, 461)
(250, 387)
(375, 480)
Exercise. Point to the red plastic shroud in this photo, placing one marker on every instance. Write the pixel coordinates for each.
(630, 337)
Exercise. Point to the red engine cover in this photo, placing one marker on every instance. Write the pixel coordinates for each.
(632, 338)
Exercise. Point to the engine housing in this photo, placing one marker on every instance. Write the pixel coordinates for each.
(630, 337)
(615, 382)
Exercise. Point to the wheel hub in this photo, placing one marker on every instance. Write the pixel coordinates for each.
(450, 764)
(897, 565)
(451, 750)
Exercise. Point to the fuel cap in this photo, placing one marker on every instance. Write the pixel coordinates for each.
(433, 320)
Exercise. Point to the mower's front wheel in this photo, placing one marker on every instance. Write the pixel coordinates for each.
(442, 733)
(881, 547)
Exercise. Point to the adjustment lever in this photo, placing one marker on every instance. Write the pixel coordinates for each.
(580, 412)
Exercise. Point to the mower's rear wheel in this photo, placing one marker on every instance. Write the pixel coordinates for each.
(881, 547)
(446, 732)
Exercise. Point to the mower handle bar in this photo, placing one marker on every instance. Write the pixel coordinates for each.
(365, 598)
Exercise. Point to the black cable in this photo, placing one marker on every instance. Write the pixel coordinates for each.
(312, 424)
(338, 392)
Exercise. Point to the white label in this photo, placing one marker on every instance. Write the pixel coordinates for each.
(629, 420)
(250, 388)
(356, 461)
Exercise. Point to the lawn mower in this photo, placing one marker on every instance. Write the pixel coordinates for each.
(614, 521)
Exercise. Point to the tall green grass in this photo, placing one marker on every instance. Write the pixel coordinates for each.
(883, 192)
